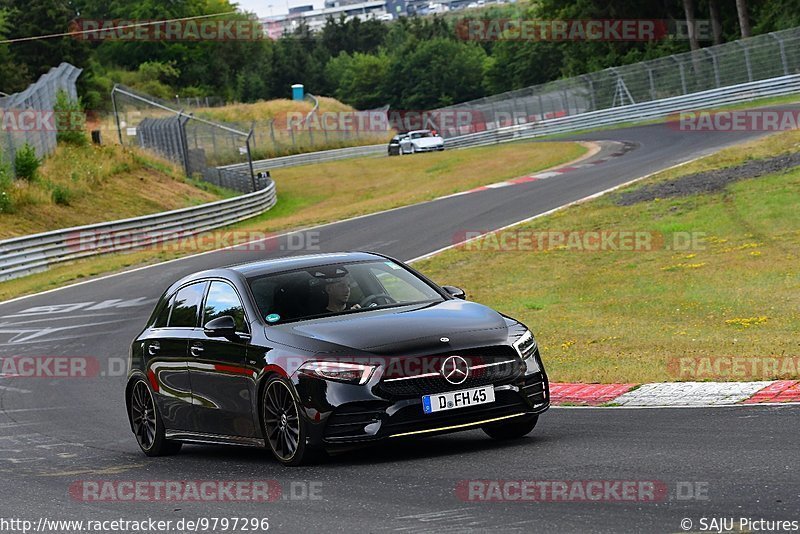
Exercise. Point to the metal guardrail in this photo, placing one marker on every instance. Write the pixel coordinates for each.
(35, 253)
(313, 157)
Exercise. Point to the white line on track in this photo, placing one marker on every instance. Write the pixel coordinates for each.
(550, 212)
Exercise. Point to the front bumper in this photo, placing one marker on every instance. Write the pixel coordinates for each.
(430, 148)
(341, 415)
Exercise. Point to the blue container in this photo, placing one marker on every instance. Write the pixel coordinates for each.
(297, 92)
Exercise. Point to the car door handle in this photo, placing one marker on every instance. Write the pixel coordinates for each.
(153, 347)
(196, 349)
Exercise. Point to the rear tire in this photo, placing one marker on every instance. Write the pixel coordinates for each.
(147, 424)
(511, 430)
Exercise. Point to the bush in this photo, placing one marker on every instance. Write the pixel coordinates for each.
(26, 163)
(6, 204)
(70, 120)
(62, 195)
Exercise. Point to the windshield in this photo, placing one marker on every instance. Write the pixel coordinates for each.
(337, 289)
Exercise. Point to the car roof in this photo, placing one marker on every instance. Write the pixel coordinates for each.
(258, 268)
(272, 266)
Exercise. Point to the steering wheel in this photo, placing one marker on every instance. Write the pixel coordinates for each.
(372, 300)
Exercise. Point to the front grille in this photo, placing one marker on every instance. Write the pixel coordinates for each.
(491, 365)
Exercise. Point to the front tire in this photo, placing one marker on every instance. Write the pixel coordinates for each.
(284, 428)
(511, 430)
(148, 427)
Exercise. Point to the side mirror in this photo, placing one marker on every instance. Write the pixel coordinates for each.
(456, 292)
(223, 326)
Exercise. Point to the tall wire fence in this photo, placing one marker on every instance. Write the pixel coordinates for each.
(27, 117)
(747, 60)
(296, 133)
(215, 152)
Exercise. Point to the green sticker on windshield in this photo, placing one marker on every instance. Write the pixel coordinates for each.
(273, 318)
(392, 265)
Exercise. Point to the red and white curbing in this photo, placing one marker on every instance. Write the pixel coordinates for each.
(623, 149)
(675, 393)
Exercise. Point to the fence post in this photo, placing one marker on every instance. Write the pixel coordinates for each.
(116, 113)
(272, 135)
(746, 61)
(591, 93)
(184, 144)
(652, 84)
(714, 66)
(250, 160)
(782, 48)
(683, 74)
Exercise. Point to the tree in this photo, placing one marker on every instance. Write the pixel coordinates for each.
(13, 77)
(744, 20)
(28, 18)
(716, 20)
(298, 58)
(361, 79)
(435, 73)
(691, 24)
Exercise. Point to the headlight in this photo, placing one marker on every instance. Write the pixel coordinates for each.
(352, 373)
(525, 345)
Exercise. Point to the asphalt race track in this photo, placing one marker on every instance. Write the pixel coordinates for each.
(722, 462)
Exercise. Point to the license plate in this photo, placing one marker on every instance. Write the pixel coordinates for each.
(457, 399)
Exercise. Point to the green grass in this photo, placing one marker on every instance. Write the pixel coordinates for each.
(316, 194)
(80, 185)
(625, 316)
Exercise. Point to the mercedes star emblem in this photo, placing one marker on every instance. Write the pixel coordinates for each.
(455, 370)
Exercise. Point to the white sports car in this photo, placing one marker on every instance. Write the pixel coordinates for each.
(415, 141)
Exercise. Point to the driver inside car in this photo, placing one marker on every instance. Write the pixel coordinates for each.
(338, 291)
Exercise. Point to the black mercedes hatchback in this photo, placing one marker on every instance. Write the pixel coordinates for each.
(321, 353)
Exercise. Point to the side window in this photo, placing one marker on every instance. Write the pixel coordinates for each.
(186, 305)
(163, 315)
(223, 300)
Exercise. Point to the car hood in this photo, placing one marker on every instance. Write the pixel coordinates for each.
(406, 330)
(429, 141)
